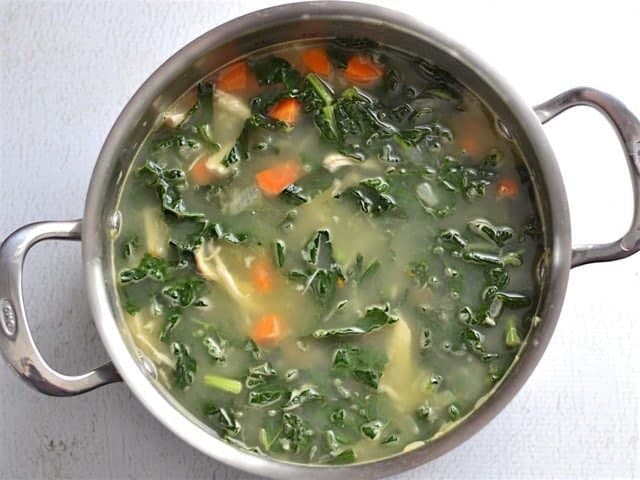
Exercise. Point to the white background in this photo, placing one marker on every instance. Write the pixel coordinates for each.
(67, 69)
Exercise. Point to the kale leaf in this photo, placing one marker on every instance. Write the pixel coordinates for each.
(374, 319)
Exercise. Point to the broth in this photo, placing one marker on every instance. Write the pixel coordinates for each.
(328, 251)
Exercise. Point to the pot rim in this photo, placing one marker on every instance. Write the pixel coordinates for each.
(94, 247)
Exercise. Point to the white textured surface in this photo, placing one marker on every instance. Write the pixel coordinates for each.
(66, 70)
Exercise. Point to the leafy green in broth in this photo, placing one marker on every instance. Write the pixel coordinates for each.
(328, 251)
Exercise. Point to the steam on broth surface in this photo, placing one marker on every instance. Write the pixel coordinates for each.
(328, 251)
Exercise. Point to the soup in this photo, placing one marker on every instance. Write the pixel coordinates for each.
(328, 251)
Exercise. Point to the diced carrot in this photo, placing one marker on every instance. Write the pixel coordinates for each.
(340, 282)
(362, 69)
(471, 145)
(262, 275)
(274, 180)
(200, 173)
(507, 188)
(234, 77)
(317, 61)
(286, 110)
(268, 329)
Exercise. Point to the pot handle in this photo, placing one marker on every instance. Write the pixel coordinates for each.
(16, 343)
(627, 127)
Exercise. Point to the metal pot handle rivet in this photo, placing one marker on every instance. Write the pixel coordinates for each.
(627, 127)
(16, 342)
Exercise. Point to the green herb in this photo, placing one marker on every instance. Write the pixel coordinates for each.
(223, 418)
(372, 429)
(205, 230)
(297, 431)
(267, 395)
(498, 235)
(425, 412)
(183, 292)
(128, 304)
(251, 347)
(216, 347)
(374, 319)
(168, 183)
(300, 396)
(513, 299)
(149, 266)
(258, 375)
(482, 258)
(173, 317)
(370, 200)
(294, 195)
(337, 417)
(453, 411)
(186, 366)
(272, 70)
(322, 272)
(280, 250)
(390, 439)
(364, 365)
(174, 141)
(225, 384)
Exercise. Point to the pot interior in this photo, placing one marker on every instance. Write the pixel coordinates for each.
(265, 30)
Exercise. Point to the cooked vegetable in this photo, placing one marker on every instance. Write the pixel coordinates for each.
(328, 252)
(286, 110)
(233, 78)
(262, 275)
(274, 180)
(317, 61)
(507, 188)
(268, 329)
(361, 69)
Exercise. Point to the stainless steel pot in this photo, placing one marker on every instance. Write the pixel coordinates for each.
(256, 31)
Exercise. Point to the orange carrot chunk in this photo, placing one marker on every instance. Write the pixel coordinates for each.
(262, 275)
(274, 180)
(361, 69)
(470, 144)
(507, 188)
(286, 110)
(317, 61)
(200, 173)
(234, 77)
(268, 329)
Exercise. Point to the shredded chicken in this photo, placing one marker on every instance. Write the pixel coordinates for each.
(334, 161)
(400, 375)
(211, 267)
(177, 113)
(156, 233)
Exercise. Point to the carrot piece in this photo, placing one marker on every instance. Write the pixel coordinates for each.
(200, 173)
(286, 110)
(268, 329)
(262, 275)
(234, 77)
(507, 188)
(470, 144)
(340, 283)
(361, 69)
(317, 61)
(274, 180)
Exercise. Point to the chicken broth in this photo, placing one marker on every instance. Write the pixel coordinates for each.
(328, 251)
